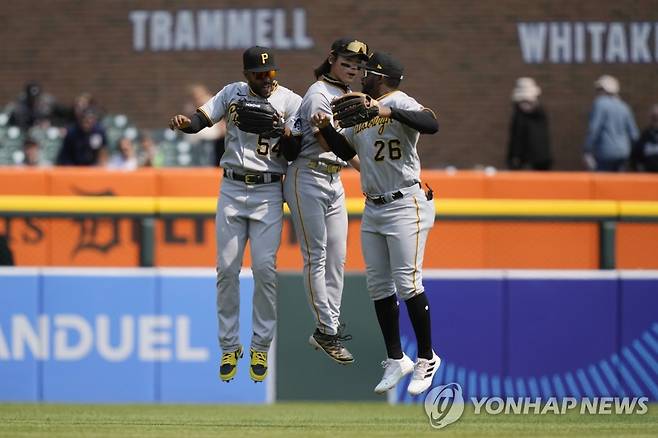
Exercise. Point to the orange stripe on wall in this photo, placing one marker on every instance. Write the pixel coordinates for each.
(186, 242)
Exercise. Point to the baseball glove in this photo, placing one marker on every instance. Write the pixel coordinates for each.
(353, 108)
(258, 117)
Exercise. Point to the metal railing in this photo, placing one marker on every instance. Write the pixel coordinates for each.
(605, 213)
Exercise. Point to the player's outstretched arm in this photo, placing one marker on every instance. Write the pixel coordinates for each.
(337, 142)
(188, 125)
(423, 121)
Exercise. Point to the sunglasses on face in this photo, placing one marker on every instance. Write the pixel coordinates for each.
(357, 47)
(265, 74)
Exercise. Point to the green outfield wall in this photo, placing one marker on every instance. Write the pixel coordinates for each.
(305, 374)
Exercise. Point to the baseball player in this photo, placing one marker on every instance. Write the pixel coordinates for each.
(315, 195)
(398, 214)
(250, 205)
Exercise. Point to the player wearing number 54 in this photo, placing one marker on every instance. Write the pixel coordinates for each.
(260, 119)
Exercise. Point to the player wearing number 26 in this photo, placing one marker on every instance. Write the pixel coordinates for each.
(250, 205)
(398, 214)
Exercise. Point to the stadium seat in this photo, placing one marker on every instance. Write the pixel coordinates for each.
(11, 145)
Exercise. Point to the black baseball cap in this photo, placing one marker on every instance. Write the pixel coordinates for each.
(348, 47)
(258, 59)
(385, 64)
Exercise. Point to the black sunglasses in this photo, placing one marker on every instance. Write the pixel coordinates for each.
(347, 65)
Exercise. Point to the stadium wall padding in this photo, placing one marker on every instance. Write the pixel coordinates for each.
(306, 374)
(189, 242)
(121, 335)
(544, 334)
(149, 335)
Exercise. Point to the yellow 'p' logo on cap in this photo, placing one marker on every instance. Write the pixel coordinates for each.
(263, 57)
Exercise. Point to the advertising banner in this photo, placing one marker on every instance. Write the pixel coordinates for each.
(122, 335)
(542, 334)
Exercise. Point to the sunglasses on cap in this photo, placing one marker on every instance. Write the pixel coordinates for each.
(265, 74)
(370, 72)
(357, 47)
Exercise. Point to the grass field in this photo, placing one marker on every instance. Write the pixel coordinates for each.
(299, 420)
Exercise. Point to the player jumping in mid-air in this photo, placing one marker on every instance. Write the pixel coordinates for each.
(250, 204)
(315, 195)
(398, 214)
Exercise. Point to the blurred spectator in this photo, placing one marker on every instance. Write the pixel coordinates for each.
(85, 143)
(125, 158)
(529, 145)
(612, 129)
(645, 150)
(84, 102)
(69, 115)
(198, 95)
(150, 155)
(32, 153)
(33, 107)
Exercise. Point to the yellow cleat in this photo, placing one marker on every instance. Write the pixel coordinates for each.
(229, 364)
(258, 366)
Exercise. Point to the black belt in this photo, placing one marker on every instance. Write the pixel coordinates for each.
(254, 178)
(381, 200)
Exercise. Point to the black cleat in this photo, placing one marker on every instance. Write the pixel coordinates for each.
(332, 345)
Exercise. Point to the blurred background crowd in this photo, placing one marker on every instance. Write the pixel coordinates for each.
(515, 84)
(38, 130)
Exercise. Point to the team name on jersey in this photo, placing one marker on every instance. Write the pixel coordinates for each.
(232, 115)
(381, 121)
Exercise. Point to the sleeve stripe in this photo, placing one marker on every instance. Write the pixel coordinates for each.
(205, 115)
(433, 113)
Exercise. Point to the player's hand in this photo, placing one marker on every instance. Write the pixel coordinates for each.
(320, 120)
(384, 111)
(374, 102)
(179, 122)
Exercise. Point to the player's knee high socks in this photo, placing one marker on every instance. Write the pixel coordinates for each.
(388, 315)
(419, 314)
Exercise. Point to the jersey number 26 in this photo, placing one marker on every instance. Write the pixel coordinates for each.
(394, 150)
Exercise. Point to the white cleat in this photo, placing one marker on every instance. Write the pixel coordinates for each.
(424, 371)
(394, 370)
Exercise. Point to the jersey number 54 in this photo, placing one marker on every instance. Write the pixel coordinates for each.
(263, 147)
